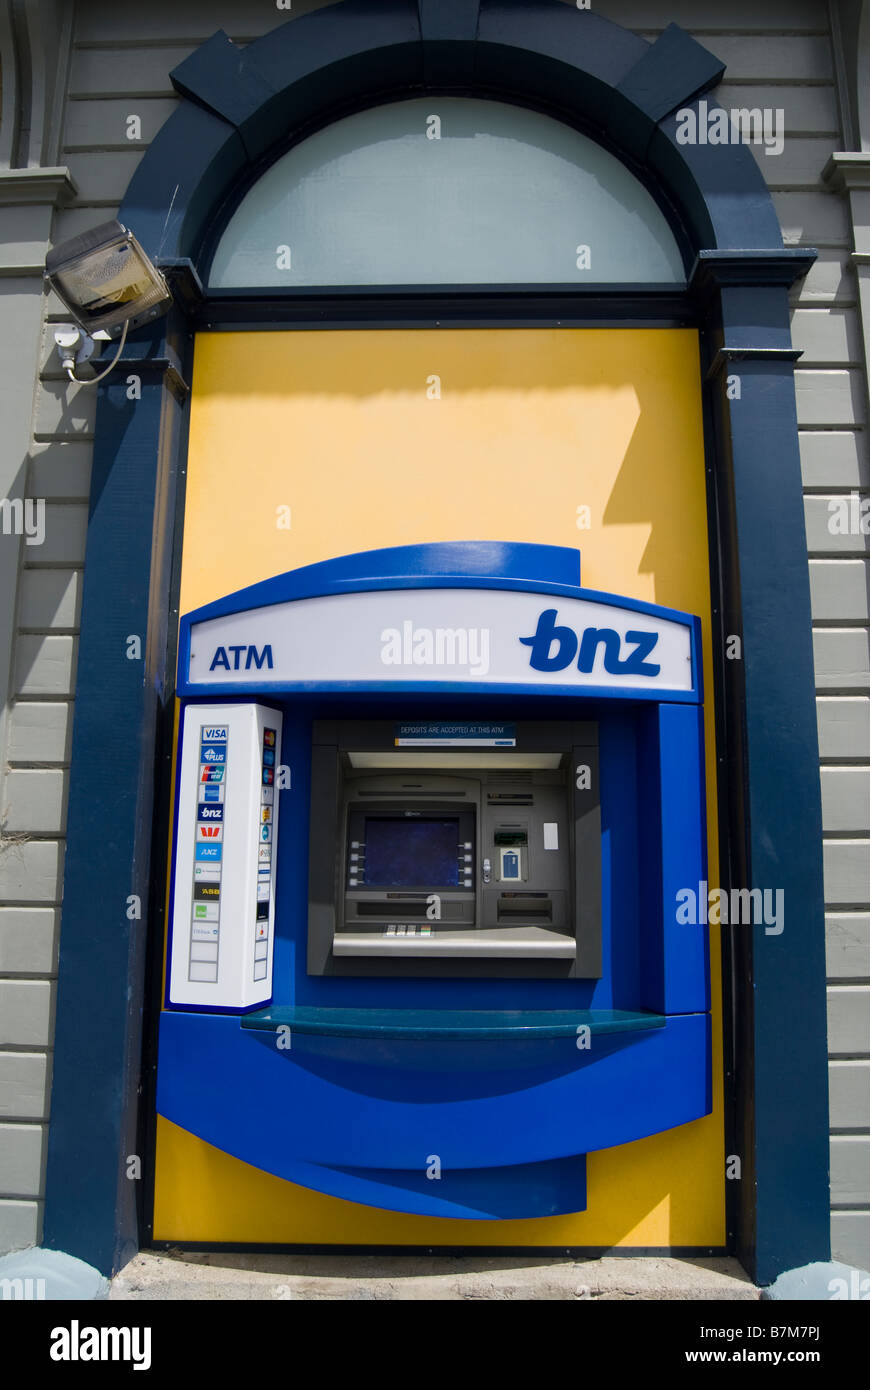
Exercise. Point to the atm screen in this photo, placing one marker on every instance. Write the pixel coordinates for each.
(404, 852)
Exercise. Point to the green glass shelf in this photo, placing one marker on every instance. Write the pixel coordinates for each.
(449, 1024)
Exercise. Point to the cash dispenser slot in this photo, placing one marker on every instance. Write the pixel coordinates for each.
(524, 907)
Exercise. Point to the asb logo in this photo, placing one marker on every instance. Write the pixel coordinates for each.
(253, 658)
(554, 648)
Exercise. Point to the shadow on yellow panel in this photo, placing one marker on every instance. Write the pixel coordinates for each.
(655, 1192)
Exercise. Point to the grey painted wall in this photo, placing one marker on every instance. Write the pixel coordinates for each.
(787, 54)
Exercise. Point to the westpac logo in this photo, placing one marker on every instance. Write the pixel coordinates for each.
(254, 658)
(554, 647)
(439, 646)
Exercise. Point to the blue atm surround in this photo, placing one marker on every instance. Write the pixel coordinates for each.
(383, 1073)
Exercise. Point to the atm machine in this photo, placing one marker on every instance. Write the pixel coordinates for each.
(434, 808)
(432, 856)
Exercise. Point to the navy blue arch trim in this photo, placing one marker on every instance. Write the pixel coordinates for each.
(448, 20)
(242, 104)
(240, 108)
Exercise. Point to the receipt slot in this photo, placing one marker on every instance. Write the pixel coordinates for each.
(222, 910)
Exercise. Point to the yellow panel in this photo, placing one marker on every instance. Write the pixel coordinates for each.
(204, 1194)
(531, 424)
(589, 438)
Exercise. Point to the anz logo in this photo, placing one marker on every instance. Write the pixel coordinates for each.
(254, 658)
(554, 648)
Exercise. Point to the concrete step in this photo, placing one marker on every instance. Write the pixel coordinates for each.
(192, 1275)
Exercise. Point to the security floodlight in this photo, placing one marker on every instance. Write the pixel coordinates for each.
(108, 284)
(106, 280)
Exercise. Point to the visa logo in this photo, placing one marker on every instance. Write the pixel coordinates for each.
(214, 813)
(585, 648)
(258, 659)
(218, 735)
